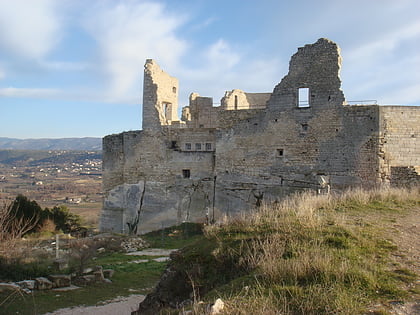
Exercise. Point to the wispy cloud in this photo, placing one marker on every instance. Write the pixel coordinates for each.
(128, 33)
(28, 92)
(29, 29)
(387, 43)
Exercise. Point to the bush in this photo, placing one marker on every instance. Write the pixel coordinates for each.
(64, 220)
(24, 210)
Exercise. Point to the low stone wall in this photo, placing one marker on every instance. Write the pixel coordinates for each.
(404, 176)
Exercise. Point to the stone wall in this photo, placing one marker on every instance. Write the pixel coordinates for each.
(238, 99)
(400, 140)
(160, 97)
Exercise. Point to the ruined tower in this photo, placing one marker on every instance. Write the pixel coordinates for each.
(160, 97)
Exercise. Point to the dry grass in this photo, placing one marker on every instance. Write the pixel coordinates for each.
(315, 254)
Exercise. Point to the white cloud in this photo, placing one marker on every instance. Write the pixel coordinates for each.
(28, 92)
(221, 55)
(223, 67)
(128, 33)
(29, 28)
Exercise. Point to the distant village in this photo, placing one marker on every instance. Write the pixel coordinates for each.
(62, 177)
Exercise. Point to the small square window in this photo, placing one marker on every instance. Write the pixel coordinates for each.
(198, 146)
(186, 173)
(188, 146)
(208, 146)
(280, 152)
(304, 127)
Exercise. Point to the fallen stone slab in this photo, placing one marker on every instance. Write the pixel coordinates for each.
(161, 259)
(138, 261)
(69, 288)
(152, 252)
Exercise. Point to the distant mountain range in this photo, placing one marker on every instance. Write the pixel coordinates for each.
(80, 144)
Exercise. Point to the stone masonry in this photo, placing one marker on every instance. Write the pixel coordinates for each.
(253, 148)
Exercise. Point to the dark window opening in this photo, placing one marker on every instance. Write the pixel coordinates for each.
(173, 145)
(280, 152)
(304, 127)
(167, 110)
(201, 126)
(188, 146)
(186, 173)
(303, 97)
(236, 102)
(208, 146)
(174, 89)
(198, 146)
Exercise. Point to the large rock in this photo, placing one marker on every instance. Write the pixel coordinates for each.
(27, 284)
(43, 283)
(60, 281)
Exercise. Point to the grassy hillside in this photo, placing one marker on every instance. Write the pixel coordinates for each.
(354, 253)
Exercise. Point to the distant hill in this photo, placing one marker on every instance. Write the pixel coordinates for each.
(80, 144)
(39, 157)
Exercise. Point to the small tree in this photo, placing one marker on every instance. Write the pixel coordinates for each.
(24, 211)
(64, 220)
(13, 227)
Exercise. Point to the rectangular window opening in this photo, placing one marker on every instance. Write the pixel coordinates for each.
(280, 152)
(186, 173)
(208, 146)
(188, 146)
(198, 146)
(303, 97)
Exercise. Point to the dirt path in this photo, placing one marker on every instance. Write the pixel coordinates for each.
(119, 306)
(405, 233)
(406, 236)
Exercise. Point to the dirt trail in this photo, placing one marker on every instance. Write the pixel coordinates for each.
(406, 236)
(405, 233)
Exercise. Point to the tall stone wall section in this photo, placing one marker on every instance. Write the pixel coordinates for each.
(400, 143)
(160, 97)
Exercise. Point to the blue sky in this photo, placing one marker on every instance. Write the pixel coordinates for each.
(74, 68)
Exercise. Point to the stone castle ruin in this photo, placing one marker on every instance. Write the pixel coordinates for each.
(253, 148)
